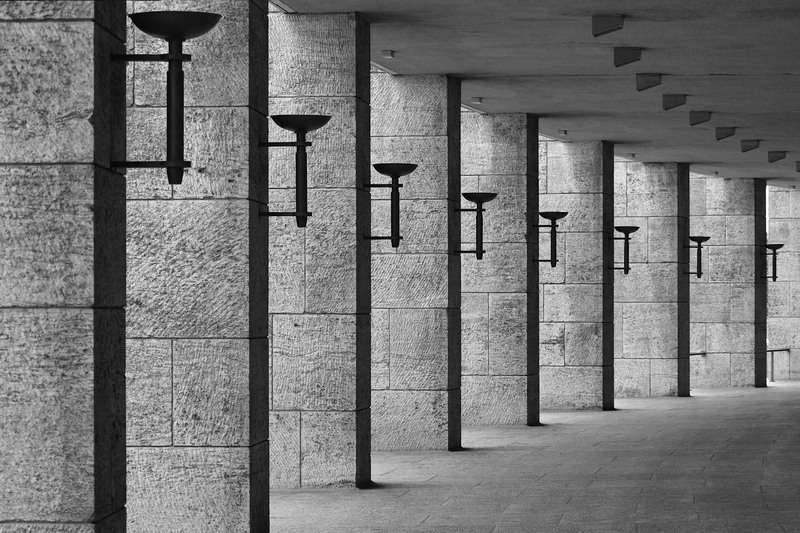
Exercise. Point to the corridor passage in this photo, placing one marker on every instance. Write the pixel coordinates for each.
(720, 461)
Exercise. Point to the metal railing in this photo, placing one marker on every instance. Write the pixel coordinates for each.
(771, 353)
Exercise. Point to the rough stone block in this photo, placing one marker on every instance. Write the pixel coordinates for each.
(730, 337)
(743, 306)
(783, 332)
(574, 167)
(423, 226)
(330, 46)
(572, 303)
(408, 105)
(662, 239)
(502, 269)
(328, 448)
(619, 330)
(380, 348)
(409, 280)
(287, 277)
(710, 302)
(632, 378)
(663, 377)
(332, 261)
(284, 449)
(505, 217)
(428, 181)
(335, 155)
(726, 196)
(148, 392)
(46, 405)
(508, 338)
(780, 205)
(547, 273)
(474, 333)
(651, 330)
(710, 226)
(583, 344)
(742, 370)
(578, 387)
(584, 257)
(187, 279)
(314, 362)
(493, 144)
(211, 392)
(418, 344)
(652, 189)
(710, 371)
(620, 187)
(494, 400)
(585, 210)
(647, 282)
(740, 230)
(730, 263)
(697, 338)
(551, 343)
(697, 196)
(638, 246)
(166, 484)
(404, 420)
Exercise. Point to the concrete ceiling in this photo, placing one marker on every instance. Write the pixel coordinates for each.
(738, 59)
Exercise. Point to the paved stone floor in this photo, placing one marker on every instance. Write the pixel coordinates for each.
(720, 461)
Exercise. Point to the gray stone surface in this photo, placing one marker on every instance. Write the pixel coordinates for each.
(409, 281)
(574, 387)
(328, 448)
(504, 399)
(418, 337)
(284, 449)
(148, 391)
(409, 420)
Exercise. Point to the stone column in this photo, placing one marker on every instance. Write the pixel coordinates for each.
(576, 297)
(723, 301)
(499, 153)
(320, 274)
(651, 301)
(197, 321)
(62, 268)
(784, 294)
(416, 287)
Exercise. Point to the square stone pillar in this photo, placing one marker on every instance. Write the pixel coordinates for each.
(784, 294)
(62, 267)
(725, 309)
(499, 298)
(320, 274)
(651, 301)
(576, 297)
(197, 320)
(416, 287)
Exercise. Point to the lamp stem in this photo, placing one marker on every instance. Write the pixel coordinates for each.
(479, 232)
(553, 244)
(175, 113)
(395, 214)
(774, 265)
(699, 260)
(626, 254)
(301, 192)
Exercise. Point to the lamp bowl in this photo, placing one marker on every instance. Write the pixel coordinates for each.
(175, 25)
(626, 230)
(394, 170)
(774, 246)
(552, 215)
(699, 239)
(479, 197)
(301, 123)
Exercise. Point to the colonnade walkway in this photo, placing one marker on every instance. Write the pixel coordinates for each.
(722, 460)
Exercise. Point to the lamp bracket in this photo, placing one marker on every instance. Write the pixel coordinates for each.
(151, 164)
(149, 57)
(265, 213)
(384, 185)
(285, 144)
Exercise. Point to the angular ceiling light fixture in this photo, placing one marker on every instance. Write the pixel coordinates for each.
(626, 254)
(773, 251)
(395, 171)
(625, 55)
(671, 101)
(552, 216)
(797, 166)
(699, 117)
(775, 155)
(478, 198)
(301, 125)
(603, 24)
(698, 240)
(647, 80)
(724, 132)
(175, 27)
(750, 144)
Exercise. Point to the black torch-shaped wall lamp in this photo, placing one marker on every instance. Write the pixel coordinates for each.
(175, 27)
(698, 240)
(301, 125)
(478, 198)
(626, 250)
(773, 251)
(553, 217)
(395, 171)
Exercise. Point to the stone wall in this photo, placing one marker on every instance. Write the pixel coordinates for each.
(652, 301)
(320, 275)
(196, 252)
(576, 297)
(416, 287)
(724, 306)
(784, 294)
(499, 153)
(62, 268)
